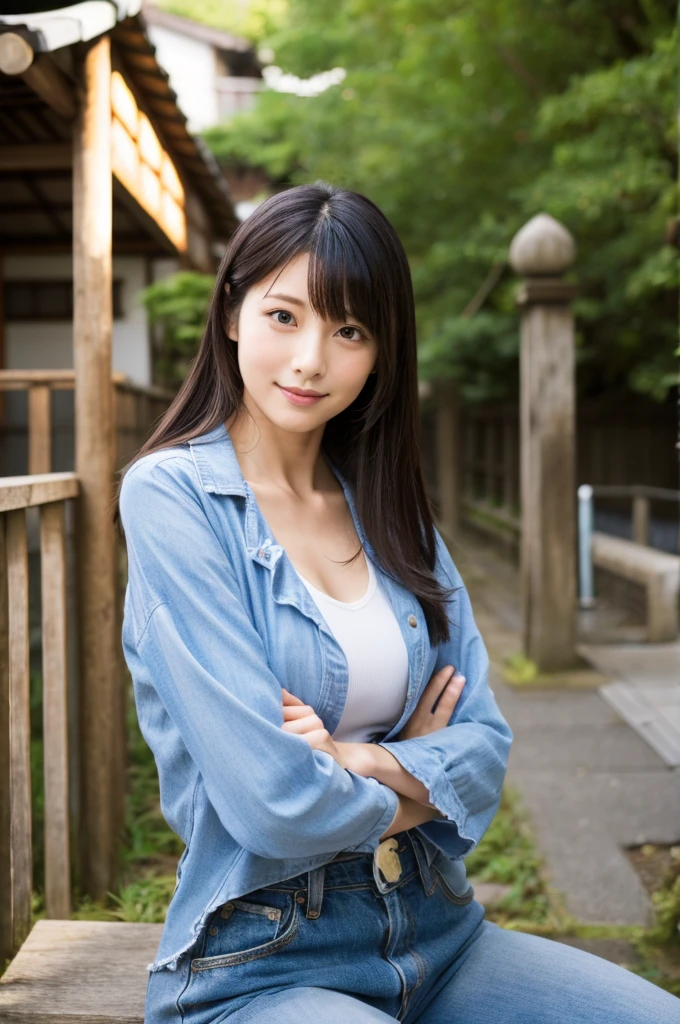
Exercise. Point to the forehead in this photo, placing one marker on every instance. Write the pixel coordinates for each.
(292, 278)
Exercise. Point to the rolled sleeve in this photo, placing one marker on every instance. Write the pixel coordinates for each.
(463, 765)
(188, 635)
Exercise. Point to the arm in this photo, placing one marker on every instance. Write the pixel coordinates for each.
(462, 765)
(409, 814)
(198, 661)
(372, 760)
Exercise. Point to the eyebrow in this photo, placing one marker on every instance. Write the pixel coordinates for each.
(286, 298)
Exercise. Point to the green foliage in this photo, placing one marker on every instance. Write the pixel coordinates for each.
(507, 854)
(519, 669)
(462, 121)
(243, 17)
(177, 307)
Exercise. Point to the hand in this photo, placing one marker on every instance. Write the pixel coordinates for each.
(303, 720)
(424, 720)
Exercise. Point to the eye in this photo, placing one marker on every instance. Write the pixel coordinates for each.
(283, 312)
(350, 328)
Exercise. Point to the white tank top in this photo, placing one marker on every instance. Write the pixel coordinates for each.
(369, 634)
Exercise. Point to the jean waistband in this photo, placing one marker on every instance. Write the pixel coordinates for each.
(396, 860)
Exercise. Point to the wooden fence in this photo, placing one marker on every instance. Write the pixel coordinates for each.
(49, 493)
(626, 451)
(136, 409)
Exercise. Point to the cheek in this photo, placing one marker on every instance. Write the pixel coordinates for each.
(259, 358)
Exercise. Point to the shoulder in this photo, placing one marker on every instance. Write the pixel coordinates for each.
(160, 479)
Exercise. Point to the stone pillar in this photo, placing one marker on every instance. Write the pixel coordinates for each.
(540, 252)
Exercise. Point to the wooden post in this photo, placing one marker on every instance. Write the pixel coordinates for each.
(640, 519)
(55, 710)
(448, 458)
(39, 429)
(541, 251)
(94, 443)
(20, 834)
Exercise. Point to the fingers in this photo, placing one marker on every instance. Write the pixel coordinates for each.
(449, 697)
(288, 698)
(301, 720)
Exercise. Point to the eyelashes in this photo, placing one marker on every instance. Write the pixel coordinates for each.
(350, 327)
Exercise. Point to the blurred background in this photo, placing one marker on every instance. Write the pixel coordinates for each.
(527, 155)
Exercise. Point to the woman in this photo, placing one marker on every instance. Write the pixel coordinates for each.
(293, 626)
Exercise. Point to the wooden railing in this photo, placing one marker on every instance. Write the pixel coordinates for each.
(49, 492)
(607, 450)
(136, 410)
(640, 497)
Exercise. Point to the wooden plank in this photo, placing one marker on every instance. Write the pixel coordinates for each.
(39, 429)
(21, 852)
(6, 938)
(49, 82)
(17, 492)
(640, 519)
(55, 709)
(100, 798)
(2, 335)
(36, 156)
(72, 972)
(647, 717)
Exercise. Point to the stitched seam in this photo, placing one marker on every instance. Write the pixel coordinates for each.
(231, 959)
(139, 639)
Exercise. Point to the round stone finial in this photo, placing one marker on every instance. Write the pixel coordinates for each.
(542, 246)
(16, 54)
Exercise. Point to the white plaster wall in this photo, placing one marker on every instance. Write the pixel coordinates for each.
(190, 64)
(41, 345)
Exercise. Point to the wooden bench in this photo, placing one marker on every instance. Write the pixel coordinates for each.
(69, 972)
(655, 570)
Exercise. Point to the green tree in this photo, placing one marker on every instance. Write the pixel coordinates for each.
(462, 120)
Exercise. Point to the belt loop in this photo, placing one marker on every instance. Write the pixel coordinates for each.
(315, 882)
(427, 875)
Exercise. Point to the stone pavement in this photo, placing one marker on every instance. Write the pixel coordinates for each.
(591, 784)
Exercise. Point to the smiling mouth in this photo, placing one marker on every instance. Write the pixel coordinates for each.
(303, 399)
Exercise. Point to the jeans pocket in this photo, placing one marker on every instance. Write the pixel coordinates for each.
(248, 928)
(452, 879)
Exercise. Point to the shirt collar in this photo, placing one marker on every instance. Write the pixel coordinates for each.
(219, 469)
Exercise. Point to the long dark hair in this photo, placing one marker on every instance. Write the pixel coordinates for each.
(357, 267)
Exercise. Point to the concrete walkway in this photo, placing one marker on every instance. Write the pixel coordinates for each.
(592, 785)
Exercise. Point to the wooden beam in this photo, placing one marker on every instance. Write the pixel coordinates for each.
(50, 83)
(21, 847)
(55, 710)
(39, 429)
(27, 491)
(36, 156)
(6, 929)
(94, 442)
(122, 244)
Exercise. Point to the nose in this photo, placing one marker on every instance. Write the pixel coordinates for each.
(309, 358)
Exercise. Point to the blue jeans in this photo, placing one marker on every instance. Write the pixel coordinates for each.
(340, 945)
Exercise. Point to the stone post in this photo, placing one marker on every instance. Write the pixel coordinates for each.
(540, 252)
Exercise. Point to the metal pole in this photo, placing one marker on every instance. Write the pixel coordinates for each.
(586, 597)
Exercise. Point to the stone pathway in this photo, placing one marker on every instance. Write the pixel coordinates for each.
(644, 691)
(591, 784)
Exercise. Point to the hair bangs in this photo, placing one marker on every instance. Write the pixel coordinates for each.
(340, 281)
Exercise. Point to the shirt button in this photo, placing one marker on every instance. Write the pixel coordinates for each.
(227, 910)
(412, 621)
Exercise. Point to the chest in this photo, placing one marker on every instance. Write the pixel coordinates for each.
(318, 537)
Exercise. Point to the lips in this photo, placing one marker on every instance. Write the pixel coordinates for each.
(304, 399)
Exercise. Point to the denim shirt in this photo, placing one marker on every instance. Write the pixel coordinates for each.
(216, 621)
